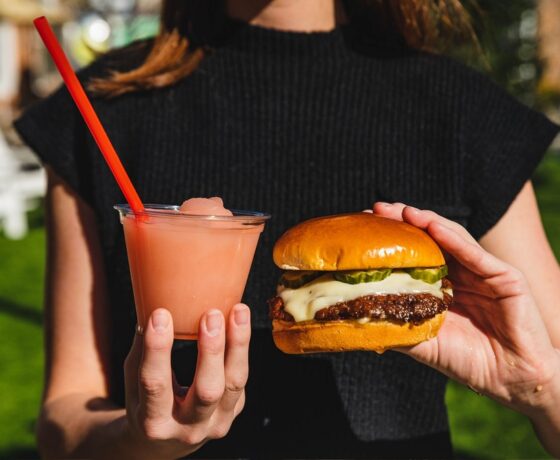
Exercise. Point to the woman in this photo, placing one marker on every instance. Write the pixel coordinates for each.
(274, 105)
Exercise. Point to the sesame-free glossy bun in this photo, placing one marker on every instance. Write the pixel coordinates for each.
(347, 335)
(356, 241)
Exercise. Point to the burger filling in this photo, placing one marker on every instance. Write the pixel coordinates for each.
(410, 295)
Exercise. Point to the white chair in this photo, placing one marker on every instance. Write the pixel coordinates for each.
(22, 182)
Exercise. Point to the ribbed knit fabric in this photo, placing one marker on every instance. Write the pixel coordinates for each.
(301, 125)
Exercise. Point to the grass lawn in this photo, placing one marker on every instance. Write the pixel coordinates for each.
(480, 428)
(21, 342)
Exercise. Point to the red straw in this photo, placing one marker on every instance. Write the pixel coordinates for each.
(90, 117)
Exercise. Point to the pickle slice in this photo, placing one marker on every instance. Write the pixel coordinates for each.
(429, 275)
(356, 276)
(295, 279)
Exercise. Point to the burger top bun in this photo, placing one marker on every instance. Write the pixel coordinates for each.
(357, 241)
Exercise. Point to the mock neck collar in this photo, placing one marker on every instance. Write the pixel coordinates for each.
(254, 39)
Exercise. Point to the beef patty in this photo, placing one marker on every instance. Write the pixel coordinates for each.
(409, 308)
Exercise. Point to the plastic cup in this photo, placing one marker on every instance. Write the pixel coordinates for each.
(188, 264)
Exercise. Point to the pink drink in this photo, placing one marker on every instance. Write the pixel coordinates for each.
(189, 262)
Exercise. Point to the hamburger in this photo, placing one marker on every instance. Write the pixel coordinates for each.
(357, 282)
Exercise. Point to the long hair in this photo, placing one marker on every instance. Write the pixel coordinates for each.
(188, 26)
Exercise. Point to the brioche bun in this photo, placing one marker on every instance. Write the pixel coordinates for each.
(357, 241)
(345, 335)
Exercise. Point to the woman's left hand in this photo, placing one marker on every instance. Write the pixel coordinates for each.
(493, 338)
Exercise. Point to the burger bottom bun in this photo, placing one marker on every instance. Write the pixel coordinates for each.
(347, 335)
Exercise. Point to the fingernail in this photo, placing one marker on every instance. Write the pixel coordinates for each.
(382, 203)
(214, 323)
(413, 209)
(241, 316)
(160, 321)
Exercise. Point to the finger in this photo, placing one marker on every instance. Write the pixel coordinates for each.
(479, 288)
(209, 379)
(484, 314)
(423, 352)
(131, 364)
(466, 280)
(469, 300)
(468, 253)
(239, 405)
(237, 356)
(510, 282)
(493, 314)
(389, 210)
(221, 425)
(155, 380)
(423, 218)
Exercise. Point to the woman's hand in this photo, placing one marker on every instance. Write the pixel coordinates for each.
(493, 338)
(172, 421)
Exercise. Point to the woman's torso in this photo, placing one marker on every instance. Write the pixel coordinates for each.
(298, 125)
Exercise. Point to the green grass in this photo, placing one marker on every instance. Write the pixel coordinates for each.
(547, 186)
(21, 341)
(480, 427)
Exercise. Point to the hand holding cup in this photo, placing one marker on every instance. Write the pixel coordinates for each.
(171, 421)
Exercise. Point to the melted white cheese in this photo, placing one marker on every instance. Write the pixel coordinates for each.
(304, 302)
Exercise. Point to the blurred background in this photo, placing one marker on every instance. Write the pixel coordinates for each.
(520, 41)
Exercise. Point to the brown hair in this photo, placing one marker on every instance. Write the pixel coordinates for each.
(187, 28)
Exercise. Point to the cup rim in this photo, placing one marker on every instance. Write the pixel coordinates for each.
(170, 211)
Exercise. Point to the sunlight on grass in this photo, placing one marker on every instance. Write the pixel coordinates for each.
(21, 341)
(547, 187)
(481, 428)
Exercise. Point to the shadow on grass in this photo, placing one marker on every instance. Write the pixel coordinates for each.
(18, 453)
(460, 455)
(7, 307)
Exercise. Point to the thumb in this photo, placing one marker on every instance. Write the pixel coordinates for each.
(427, 352)
(155, 375)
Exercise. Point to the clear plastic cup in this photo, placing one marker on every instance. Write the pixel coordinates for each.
(188, 264)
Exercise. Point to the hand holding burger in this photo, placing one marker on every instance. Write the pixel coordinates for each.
(378, 281)
(493, 339)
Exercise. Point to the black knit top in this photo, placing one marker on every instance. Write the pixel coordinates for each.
(302, 125)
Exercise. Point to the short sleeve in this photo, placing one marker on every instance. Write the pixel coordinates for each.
(55, 131)
(504, 143)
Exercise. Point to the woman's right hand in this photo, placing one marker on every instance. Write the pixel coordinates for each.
(171, 421)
